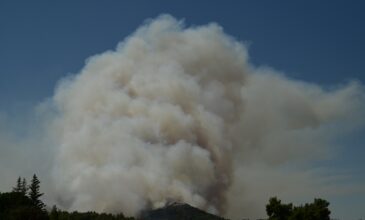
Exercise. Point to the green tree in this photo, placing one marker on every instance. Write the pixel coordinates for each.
(34, 193)
(21, 186)
(17, 206)
(277, 211)
(24, 187)
(318, 210)
(18, 186)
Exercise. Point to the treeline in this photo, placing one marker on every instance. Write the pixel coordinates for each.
(56, 214)
(24, 203)
(317, 210)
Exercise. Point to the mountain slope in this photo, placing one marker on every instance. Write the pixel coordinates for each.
(178, 211)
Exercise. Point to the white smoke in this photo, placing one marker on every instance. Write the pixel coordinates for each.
(177, 114)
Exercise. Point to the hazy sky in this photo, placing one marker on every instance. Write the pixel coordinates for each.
(314, 41)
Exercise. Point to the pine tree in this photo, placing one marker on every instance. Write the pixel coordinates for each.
(34, 193)
(18, 186)
(24, 187)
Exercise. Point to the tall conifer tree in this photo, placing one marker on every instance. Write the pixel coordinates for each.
(18, 186)
(34, 193)
(24, 187)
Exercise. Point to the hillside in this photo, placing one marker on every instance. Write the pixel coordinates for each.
(178, 211)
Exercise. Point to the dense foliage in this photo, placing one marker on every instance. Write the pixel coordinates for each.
(318, 210)
(17, 206)
(24, 203)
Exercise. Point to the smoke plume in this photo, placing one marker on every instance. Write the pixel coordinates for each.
(178, 114)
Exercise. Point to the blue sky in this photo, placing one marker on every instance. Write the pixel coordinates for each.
(41, 41)
(315, 41)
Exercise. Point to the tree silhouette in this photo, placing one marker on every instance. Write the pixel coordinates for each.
(24, 187)
(18, 186)
(317, 210)
(278, 211)
(34, 193)
(21, 186)
(17, 206)
(24, 203)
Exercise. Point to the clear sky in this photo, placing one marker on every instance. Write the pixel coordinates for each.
(315, 41)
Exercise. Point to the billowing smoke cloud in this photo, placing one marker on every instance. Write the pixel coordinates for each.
(178, 114)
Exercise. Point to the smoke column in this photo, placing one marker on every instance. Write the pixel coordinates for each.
(174, 113)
